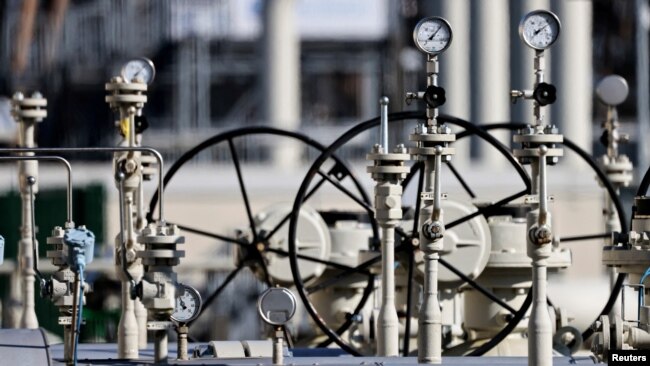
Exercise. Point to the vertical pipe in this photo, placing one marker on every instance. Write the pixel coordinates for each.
(430, 318)
(455, 71)
(182, 331)
(27, 242)
(127, 336)
(281, 72)
(540, 337)
(642, 12)
(160, 345)
(572, 69)
(278, 357)
(521, 57)
(490, 71)
(388, 322)
(383, 131)
(75, 315)
(540, 344)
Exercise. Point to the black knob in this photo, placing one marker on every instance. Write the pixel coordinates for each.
(141, 124)
(544, 94)
(434, 96)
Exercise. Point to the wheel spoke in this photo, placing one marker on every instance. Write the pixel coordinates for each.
(210, 235)
(235, 160)
(265, 269)
(338, 277)
(345, 191)
(478, 287)
(321, 261)
(585, 237)
(461, 180)
(219, 289)
(486, 209)
(288, 216)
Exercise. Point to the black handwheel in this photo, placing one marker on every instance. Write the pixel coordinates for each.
(256, 245)
(304, 292)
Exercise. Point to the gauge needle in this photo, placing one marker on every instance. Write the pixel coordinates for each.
(434, 33)
(540, 29)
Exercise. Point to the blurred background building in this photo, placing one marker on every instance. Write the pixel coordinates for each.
(212, 61)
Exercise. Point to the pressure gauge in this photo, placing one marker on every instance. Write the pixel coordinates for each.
(432, 35)
(539, 29)
(141, 68)
(188, 305)
(276, 306)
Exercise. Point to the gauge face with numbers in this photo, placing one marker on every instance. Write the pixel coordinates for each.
(140, 68)
(539, 29)
(432, 35)
(188, 305)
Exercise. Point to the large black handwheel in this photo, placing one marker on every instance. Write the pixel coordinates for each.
(406, 245)
(517, 315)
(255, 246)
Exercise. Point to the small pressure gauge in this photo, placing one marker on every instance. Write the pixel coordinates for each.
(539, 29)
(188, 305)
(141, 68)
(276, 306)
(432, 35)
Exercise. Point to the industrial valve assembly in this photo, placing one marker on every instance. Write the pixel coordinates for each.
(423, 278)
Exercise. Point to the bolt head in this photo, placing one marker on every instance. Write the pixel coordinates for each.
(18, 96)
(37, 95)
(444, 129)
(551, 129)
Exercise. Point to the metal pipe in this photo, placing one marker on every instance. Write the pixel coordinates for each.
(75, 314)
(540, 329)
(154, 152)
(30, 182)
(388, 322)
(543, 205)
(642, 75)
(51, 158)
(430, 319)
(383, 131)
(160, 344)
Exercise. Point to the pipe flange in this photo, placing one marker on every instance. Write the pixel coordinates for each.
(538, 138)
(31, 109)
(432, 137)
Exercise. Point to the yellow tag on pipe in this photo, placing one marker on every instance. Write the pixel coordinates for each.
(124, 127)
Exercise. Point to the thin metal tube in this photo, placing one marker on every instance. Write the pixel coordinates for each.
(383, 130)
(120, 178)
(154, 152)
(33, 232)
(75, 314)
(51, 158)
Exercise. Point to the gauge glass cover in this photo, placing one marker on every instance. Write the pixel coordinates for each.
(432, 35)
(539, 29)
(188, 305)
(141, 68)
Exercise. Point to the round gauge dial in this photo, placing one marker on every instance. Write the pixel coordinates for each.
(432, 35)
(141, 68)
(188, 305)
(539, 29)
